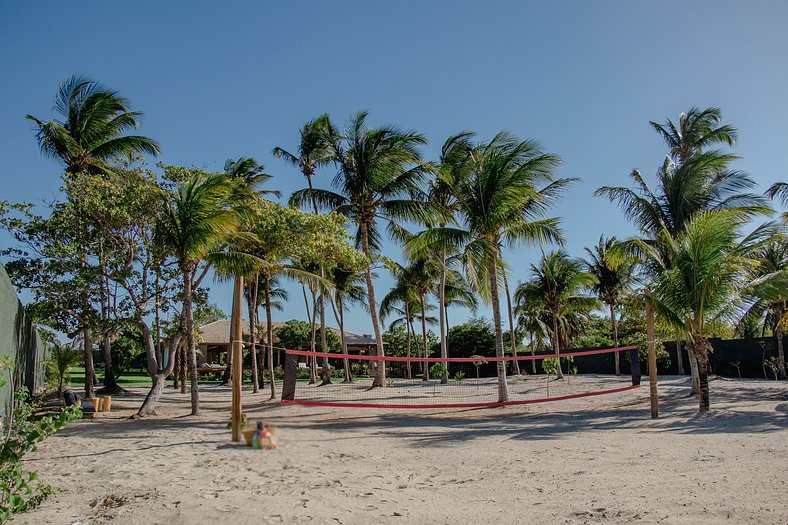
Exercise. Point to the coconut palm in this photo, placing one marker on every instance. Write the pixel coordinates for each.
(613, 279)
(529, 311)
(706, 279)
(697, 130)
(348, 290)
(557, 282)
(195, 221)
(92, 129)
(379, 173)
(502, 200)
(779, 190)
(770, 293)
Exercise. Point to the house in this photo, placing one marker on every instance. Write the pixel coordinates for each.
(214, 340)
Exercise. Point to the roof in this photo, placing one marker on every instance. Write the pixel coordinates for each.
(218, 333)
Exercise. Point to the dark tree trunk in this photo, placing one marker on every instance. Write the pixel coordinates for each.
(250, 306)
(701, 348)
(87, 349)
(780, 352)
(442, 310)
(680, 358)
(111, 386)
(615, 338)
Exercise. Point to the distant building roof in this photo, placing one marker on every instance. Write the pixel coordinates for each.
(218, 333)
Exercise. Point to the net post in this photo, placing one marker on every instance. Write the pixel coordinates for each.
(634, 359)
(291, 370)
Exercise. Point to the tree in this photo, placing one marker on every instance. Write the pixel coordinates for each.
(348, 290)
(195, 221)
(779, 190)
(61, 358)
(556, 284)
(707, 276)
(502, 200)
(697, 130)
(379, 174)
(612, 281)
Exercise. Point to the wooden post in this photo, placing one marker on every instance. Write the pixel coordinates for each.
(237, 357)
(652, 358)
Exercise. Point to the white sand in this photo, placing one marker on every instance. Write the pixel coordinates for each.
(597, 459)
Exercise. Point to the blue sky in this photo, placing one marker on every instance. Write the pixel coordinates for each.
(218, 80)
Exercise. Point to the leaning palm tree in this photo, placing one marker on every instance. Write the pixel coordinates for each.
(556, 284)
(613, 279)
(92, 129)
(378, 179)
(705, 281)
(502, 200)
(89, 134)
(195, 221)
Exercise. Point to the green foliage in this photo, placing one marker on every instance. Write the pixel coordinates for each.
(127, 351)
(550, 366)
(297, 335)
(459, 376)
(20, 489)
(476, 337)
(61, 358)
(438, 370)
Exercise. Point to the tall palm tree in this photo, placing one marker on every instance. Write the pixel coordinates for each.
(779, 190)
(421, 274)
(706, 278)
(613, 279)
(403, 302)
(92, 129)
(692, 179)
(557, 282)
(502, 200)
(313, 152)
(453, 164)
(378, 180)
(348, 290)
(90, 133)
(195, 221)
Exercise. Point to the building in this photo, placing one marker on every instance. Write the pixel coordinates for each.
(215, 341)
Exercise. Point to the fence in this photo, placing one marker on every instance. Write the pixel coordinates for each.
(19, 340)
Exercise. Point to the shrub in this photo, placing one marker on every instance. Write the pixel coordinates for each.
(61, 359)
(459, 376)
(438, 370)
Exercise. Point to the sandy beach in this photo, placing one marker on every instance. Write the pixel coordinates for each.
(589, 460)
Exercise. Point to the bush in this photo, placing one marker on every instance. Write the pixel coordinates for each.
(58, 368)
(359, 369)
(438, 370)
(20, 489)
(459, 376)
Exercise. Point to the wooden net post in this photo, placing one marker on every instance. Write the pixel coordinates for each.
(237, 346)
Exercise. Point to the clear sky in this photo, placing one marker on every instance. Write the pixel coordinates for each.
(218, 80)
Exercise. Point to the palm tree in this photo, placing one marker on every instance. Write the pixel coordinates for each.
(612, 281)
(706, 278)
(402, 301)
(508, 188)
(529, 311)
(378, 179)
(195, 220)
(697, 130)
(452, 164)
(348, 290)
(770, 293)
(421, 275)
(780, 190)
(692, 179)
(92, 130)
(556, 284)
(89, 135)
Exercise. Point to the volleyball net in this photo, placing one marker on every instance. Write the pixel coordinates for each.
(354, 381)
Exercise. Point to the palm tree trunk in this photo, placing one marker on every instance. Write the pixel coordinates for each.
(503, 387)
(190, 343)
(345, 361)
(176, 368)
(701, 348)
(441, 300)
(533, 353)
(325, 372)
(779, 332)
(312, 341)
(512, 333)
(408, 330)
(425, 369)
(270, 336)
(379, 367)
(557, 344)
(251, 300)
(615, 338)
(679, 357)
(695, 388)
